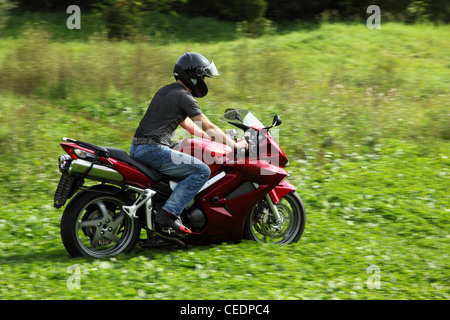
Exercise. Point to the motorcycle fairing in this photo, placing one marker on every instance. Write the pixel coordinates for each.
(280, 191)
(225, 210)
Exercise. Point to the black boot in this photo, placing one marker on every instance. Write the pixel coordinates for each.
(169, 220)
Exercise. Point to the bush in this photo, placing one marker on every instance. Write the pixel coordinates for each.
(250, 15)
(5, 6)
(400, 10)
(255, 28)
(236, 10)
(120, 17)
(293, 10)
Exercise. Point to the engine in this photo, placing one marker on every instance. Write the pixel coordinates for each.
(194, 218)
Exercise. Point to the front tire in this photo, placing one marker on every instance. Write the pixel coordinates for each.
(94, 225)
(261, 226)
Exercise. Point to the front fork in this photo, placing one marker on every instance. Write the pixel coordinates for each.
(274, 210)
(274, 197)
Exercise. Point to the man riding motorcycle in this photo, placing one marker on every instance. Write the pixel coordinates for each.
(171, 106)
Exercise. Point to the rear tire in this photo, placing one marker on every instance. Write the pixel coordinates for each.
(260, 225)
(94, 225)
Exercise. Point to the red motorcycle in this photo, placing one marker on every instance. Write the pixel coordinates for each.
(246, 197)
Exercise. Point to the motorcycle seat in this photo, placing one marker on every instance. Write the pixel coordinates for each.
(121, 155)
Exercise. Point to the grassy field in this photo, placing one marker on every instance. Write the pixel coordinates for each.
(366, 126)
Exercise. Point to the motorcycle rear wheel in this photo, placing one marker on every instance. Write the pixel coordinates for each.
(94, 225)
(261, 226)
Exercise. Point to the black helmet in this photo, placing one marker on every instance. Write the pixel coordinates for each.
(191, 68)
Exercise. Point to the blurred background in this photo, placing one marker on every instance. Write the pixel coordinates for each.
(366, 126)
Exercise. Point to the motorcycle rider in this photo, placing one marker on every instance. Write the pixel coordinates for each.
(171, 106)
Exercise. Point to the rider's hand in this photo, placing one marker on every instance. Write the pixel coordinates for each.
(242, 144)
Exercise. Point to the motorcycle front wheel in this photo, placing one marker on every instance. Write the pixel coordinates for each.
(261, 226)
(94, 225)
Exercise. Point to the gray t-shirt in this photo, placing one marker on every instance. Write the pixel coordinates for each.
(169, 107)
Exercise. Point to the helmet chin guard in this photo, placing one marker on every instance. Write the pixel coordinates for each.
(192, 68)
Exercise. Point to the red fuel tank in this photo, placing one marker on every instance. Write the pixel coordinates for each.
(212, 153)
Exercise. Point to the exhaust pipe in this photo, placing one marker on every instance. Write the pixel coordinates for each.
(96, 172)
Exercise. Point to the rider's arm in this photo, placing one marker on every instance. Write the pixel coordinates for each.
(215, 133)
(193, 129)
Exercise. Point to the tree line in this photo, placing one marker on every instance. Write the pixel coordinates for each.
(254, 17)
(250, 10)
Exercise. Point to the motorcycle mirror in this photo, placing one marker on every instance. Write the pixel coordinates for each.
(232, 114)
(275, 122)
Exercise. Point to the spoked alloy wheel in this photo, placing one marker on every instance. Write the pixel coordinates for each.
(94, 225)
(262, 227)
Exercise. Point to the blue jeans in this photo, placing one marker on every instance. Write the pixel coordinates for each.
(176, 164)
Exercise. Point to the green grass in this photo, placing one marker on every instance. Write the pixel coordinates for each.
(365, 125)
(360, 212)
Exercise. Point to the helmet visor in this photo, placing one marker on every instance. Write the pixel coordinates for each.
(208, 71)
